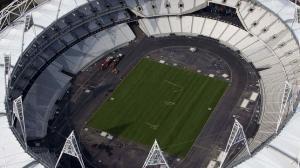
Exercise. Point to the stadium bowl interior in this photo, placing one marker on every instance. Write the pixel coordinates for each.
(62, 59)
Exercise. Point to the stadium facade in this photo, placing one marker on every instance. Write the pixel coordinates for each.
(35, 36)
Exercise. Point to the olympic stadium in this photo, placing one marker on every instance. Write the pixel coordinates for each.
(149, 83)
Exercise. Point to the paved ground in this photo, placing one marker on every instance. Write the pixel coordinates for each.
(210, 58)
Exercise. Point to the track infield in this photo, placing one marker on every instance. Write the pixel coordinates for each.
(157, 101)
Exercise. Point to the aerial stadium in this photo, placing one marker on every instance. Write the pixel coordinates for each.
(150, 83)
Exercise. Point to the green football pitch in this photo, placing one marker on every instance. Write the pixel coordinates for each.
(157, 101)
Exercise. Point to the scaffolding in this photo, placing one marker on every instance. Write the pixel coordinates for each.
(155, 157)
(71, 148)
(237, 135)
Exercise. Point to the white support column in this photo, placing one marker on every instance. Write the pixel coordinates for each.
(155, 157)
(71, 148)
(19, 114)
(284, 102)
(58, 9)
(237, 135)
(23, 37)
(296, 13)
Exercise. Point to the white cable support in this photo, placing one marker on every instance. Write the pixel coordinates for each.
(71, 148)
(155, 157)
(58, 9)
(14, 10)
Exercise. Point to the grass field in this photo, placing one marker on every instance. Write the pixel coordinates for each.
(162, 102)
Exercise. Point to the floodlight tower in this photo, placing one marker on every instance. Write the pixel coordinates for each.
(7, 69)
(285, 100)
(19, 114)
(237, 135)
(71, 148)
(28, 22)
(155, 157)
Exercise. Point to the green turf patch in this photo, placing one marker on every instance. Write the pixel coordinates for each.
(162, 102)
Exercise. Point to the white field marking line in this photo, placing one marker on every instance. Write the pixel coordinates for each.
(152, 126)
(169, 103)
(201, 147)
(178, 90)
(174, 84)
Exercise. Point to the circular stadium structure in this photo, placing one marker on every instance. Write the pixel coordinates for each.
(94, 83)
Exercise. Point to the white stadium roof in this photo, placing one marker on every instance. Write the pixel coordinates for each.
(283, 151)
(11, 152)
(12, 155)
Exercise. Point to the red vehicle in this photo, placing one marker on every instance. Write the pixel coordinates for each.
(106, 62)
(116, 61)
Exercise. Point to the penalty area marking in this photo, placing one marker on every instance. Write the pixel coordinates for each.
(152, 126)
(169, 103)
(177, 89)
(174, 84)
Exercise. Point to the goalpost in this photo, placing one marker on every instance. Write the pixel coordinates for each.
(155, 157)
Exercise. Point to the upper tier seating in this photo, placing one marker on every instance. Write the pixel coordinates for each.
(165, 7)
(92, 48)
(39, 104)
